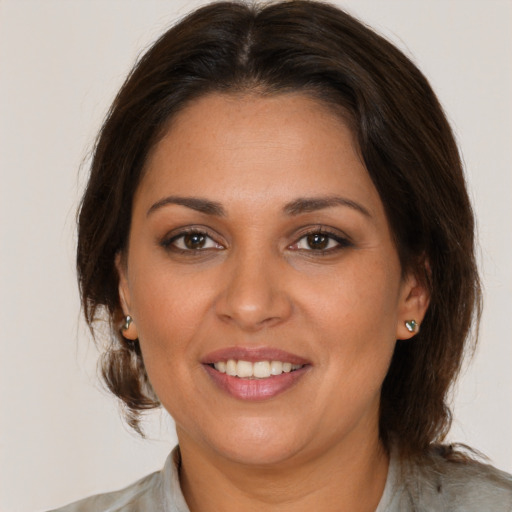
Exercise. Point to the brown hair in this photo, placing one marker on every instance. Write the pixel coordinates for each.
(404, 139)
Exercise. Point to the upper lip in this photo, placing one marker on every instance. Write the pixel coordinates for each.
(253, 355)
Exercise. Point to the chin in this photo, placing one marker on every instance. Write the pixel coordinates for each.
(260, 444)
(258, 455)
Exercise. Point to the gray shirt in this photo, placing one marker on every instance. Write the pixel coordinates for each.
(434, 484)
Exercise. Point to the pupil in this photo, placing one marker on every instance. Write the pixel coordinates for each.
(318, 241)
(194, 241)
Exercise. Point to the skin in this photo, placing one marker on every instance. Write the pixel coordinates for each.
(257, 282)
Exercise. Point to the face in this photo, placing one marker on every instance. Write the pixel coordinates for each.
(264, 285)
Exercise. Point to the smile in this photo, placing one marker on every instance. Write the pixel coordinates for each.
(255, 374)
(257, 370)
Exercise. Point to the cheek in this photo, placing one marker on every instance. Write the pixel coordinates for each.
(356, 327)
(164, 297)
(354, 316)
(361, 296)
(168, 307)
(167, 319)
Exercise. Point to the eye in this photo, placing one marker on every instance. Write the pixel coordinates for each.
(320, 241)
(192, 241)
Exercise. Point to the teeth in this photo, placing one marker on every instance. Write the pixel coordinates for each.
(261, 369)
(276, 368)
(221, 366)
(257, 370)
(244, 369)
(231, 368)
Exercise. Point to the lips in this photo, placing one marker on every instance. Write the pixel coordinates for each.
(254, 373)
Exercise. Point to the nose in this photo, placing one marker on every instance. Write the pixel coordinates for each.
(254, 293)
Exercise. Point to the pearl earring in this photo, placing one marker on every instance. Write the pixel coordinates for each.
(412, 326)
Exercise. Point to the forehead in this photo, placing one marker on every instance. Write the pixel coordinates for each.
(257, 147)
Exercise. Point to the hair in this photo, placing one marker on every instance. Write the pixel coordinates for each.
(405, 141)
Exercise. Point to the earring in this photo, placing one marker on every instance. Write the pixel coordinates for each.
(412, 326)
(129, 331)
(127, 322)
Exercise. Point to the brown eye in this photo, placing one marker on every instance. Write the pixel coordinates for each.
(321, 242)
(194, 241)
(317, 241)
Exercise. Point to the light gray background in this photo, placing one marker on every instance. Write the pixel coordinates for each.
(61, 63)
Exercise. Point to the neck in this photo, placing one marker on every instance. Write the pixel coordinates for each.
(349, 477)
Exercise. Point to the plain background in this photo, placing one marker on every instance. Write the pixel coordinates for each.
(61, 62)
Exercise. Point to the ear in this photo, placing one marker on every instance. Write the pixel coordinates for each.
(414, 302)
(128, 328)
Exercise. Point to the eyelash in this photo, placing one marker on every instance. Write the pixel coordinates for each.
(169, 243)
(342, 242)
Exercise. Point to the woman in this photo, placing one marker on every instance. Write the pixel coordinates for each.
(277, 226)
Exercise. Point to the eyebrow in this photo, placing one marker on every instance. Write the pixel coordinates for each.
(295, 207)
(312, 204)
(195, 203)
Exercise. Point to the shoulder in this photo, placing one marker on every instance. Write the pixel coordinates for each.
(443, 483)
(157, 492)
(138, 496)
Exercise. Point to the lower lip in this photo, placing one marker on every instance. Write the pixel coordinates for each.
(255, 389)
